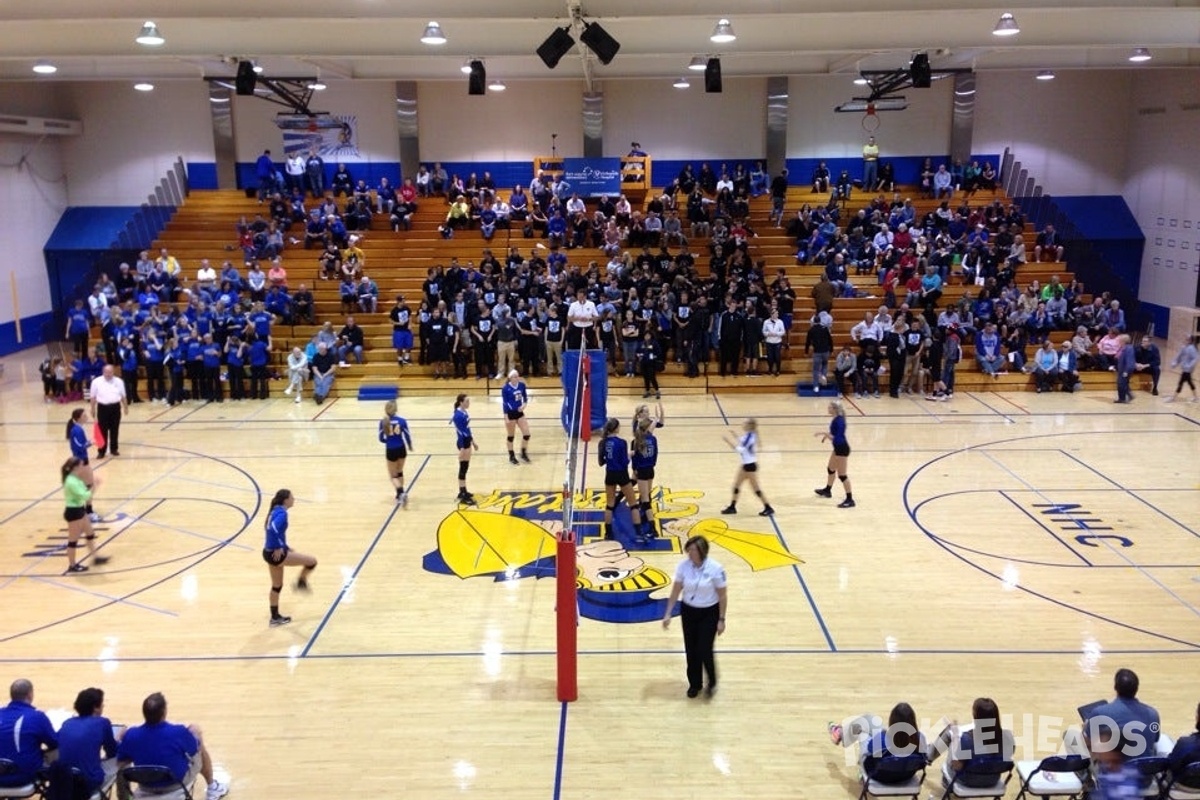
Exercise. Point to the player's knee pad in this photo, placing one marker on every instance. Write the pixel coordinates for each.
(525, 436)
(89, 536)
(463, 466)
(611, 509)
(276, 589)
(510, 439)
(828, 470)
(843, 478)
(72, 545)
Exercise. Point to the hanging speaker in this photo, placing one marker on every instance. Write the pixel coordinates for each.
(557, 45)
(712, 76)
(597, 39)
(920, 72)
(477, 80)
(246, 79)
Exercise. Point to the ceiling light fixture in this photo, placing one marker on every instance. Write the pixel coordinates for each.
(44, 68)
(1045, 75)
(1140, 55)
(433, 34)
(144, 87)
(317, 86)
(698, 63)
(258, 68)
(861, 81)
(1007, 26)
(681, 83)
(466, 67)
(497, 85)
(150, 35)
(723, 32)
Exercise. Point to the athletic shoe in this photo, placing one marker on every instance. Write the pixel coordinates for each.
(847, 503)
(216, 789)
(525, 458)
(403, 499)
(730, 509)
(767, 512)
(77, 568)
(826, 492)
(466, 498)
(343, 364)
(297, 400)
(302, 586)
(288, 390)
(512, 459)
(95, 518)
(275, 623)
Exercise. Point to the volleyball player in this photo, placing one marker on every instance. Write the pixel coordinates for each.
(614, 457)
(645, 458)
(466, 444)
(77, 436)
(77, 496)
(659, 417)
(516, 396)
(395, 436)
(839, 456)
(278, 555)
(747, 447)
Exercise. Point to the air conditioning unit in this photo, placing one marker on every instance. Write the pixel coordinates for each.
(39, 126)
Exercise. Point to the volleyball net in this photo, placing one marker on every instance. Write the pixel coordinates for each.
(585, 391)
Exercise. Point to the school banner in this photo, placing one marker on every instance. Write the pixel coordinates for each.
(592, 177)
(333, 137)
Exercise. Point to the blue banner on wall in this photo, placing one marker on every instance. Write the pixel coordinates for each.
(592, 177)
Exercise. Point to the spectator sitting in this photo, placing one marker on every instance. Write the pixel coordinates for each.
(820, 179)
(1186, 751)
(1081, 346)
(324, 366)
(302, 305)
(25, 736)
(1137, 723)
(180, 749)
(368, 295)
(81, 740)
(844, 187)
(350, 342)
(1045, 367)
(943, 183)
(875, 742)
(987, 350)
(1068, 367)
(1107, 350)
(986, 741)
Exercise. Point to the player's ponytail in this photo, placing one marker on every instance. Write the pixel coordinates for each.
(611, 426)
(641, 434)
(458, 401)
(76, 415)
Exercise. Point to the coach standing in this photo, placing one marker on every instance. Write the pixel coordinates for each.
(108, 404)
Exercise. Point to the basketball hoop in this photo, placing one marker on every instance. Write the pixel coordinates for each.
(870, 120)
(312, 126)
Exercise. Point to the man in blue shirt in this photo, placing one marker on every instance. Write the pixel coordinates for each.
(24, 732)
(1137, 723)
(176, 747)
(81, 739)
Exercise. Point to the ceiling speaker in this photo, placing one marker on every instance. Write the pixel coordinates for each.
(557, 45)
(246, 78)
(712, 76)
(477, 80)
(597, 39)
(920, 72)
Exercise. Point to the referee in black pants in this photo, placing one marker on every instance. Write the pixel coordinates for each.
(700, 582)
(108, 404)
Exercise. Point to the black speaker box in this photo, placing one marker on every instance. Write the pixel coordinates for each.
(920, 72)
(712, 76)
(557, 45)
(604, 46)
(477, 81)
(246, 78)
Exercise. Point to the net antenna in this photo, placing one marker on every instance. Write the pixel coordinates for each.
(579, 434)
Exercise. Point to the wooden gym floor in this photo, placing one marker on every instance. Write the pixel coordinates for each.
(1017, 546)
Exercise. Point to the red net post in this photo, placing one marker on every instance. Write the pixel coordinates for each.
(567, 622)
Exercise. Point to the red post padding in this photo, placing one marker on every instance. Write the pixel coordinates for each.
(568, 618)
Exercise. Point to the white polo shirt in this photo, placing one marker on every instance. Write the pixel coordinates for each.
(700, 583)
(106, 391)
(582, 315)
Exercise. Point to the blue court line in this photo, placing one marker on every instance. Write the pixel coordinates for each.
(1131, 493)
(361, 563)
(215, 484)
(173, 422)
(175, 529)
(562, 741)
(804, 585)
(1044, 527)
(102, 596)
(990, 408)
(720, 408)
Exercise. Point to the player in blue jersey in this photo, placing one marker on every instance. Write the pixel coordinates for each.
(394, 435)
(466, 444)
(516, 397)
(278, 555)
(839, 456)
(747, 448)
(645, 458)
(614, 457)
(78, 437)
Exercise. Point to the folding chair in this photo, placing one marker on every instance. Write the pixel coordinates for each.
(166, 785)
(999, 771)
(68, 783)
(1056, 776)
(1182, 785)
(1153, 772)
(32, 789)
(894, 776)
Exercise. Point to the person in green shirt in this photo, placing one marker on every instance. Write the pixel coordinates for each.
(77, 495)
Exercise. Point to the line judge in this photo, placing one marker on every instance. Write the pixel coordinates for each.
(108, 405)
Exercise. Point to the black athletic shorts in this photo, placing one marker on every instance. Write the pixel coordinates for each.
(269, 557)
(616, 478)
(73, 513)
(514, 415)
(751, 467)
(644, 474)
(841, 449)
(396, 453)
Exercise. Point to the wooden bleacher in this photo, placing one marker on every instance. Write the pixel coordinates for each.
(204, 227)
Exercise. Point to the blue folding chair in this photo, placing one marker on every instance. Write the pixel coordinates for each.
(1184, 784)
(165, 785)
(31, 789)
